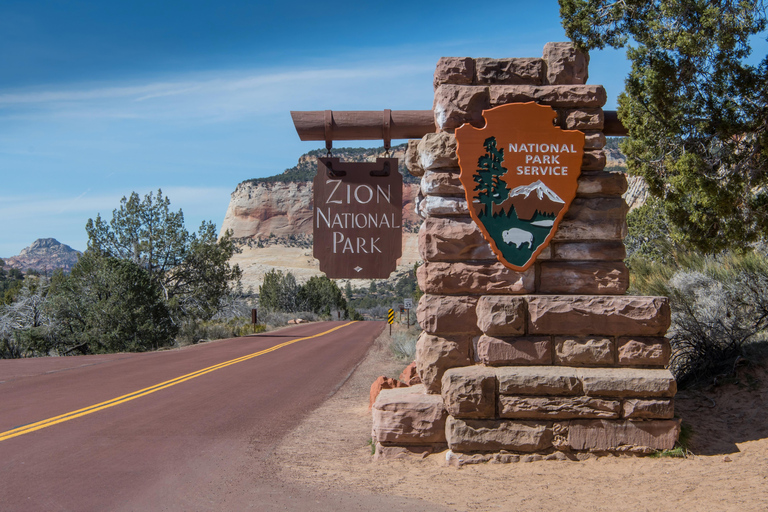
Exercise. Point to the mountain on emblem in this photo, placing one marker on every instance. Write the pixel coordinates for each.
(520, 175)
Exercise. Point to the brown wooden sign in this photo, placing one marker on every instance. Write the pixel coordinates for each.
(520, 174)
(358, 213)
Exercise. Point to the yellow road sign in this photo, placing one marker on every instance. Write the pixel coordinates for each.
(391, 317)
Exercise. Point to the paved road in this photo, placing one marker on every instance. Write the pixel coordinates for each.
(153, 432)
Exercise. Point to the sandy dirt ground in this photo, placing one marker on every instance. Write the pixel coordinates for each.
(728, 469)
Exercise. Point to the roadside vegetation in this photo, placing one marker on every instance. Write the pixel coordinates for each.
(719, 300)
(695, 107)
(143, 280)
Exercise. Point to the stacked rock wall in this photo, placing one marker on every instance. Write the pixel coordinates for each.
(556, 359)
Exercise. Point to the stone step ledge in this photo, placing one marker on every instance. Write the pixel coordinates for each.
(518, 436)
(584, 407)
(408, 416)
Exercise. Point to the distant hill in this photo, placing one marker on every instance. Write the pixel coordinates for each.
(44, 255)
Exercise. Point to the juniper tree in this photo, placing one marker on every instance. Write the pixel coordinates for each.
(695, 106)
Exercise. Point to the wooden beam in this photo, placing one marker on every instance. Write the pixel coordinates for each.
(403, 124)
(364, 124)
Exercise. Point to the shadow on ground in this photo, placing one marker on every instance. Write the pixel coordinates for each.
(726, 415)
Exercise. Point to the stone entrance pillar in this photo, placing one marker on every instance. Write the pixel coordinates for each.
(556, 360)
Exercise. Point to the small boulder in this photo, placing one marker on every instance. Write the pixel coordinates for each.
(383, 383)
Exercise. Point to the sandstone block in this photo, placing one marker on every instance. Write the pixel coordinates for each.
(603, 315)
(538, 380)
(603, 435)
(410, 375)
(594, 218)
(443, 278)
(562, 96)
(601, 183)
(408, 416)
(441, 184)
(637, 408)
(501, 315)
(627, 382)
(589, 251)
(383, 383)
(438, 314)
(435, 355)
(641, 351)
(452, 239)
(593, 160)
(521, 350)
(583, 119)
(494, 435)
(509, 71)
(566, 64)
(591, 229)
(448, 206)
(470, 392)
(594, 140)
(437, 151)
(597, 208)
(584, 277)
(584, 351)
(454, 70)
(528, 407)
(412, 160)
(455, 105)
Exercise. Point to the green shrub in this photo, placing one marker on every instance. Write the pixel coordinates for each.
(403, 344)
(193, 332)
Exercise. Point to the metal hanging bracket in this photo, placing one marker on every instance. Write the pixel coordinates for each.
(386, 128)
(328, 128)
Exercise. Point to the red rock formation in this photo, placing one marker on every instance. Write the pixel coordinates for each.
(410, 376)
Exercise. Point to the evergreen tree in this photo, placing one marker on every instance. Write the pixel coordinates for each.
(107, 305)
(695, 106)
(321, 295)
(492, 188)
(191, 270)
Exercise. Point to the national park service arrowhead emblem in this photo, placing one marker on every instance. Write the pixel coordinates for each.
(520, 174)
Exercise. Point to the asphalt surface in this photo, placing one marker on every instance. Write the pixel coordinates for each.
(201, 442)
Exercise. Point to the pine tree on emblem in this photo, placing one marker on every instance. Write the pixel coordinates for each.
(492, 188)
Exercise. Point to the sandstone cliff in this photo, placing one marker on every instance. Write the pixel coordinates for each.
(44, 255)
(258, 210)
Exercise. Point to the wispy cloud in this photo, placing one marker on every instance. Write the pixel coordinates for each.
(215, 97)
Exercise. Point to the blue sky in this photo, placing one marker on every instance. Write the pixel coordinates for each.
(102, 98)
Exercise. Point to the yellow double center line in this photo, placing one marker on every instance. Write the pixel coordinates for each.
(26, 429)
